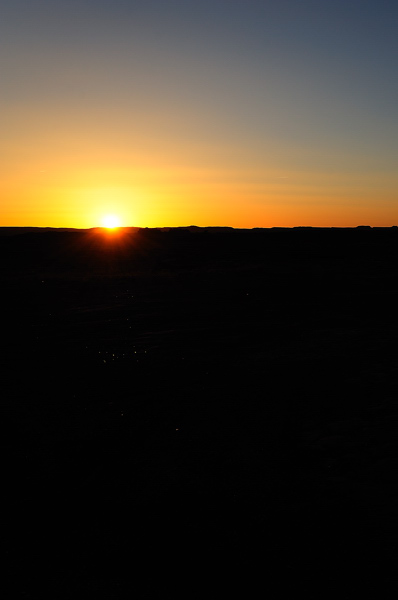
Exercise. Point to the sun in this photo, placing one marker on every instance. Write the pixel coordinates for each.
(111, 222)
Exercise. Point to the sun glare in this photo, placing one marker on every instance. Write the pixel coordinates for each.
(111, 222)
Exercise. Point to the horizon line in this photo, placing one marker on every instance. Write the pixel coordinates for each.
(121, 227)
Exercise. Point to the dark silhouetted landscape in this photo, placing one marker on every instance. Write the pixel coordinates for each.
(229, 390)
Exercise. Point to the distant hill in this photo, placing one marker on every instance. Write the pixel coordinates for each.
(7, 231)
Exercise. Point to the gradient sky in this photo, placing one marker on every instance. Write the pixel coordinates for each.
(247, 113)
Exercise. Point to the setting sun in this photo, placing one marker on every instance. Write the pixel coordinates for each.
(111, 222)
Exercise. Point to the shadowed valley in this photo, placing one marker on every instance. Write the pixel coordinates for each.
(234, 384)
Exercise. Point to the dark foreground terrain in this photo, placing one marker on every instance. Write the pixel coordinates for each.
(200, 401)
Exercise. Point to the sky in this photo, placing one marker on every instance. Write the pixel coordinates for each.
(242, 113)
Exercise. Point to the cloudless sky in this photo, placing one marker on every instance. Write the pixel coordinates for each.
(248, 113)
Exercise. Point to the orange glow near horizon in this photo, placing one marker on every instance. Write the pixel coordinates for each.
(196, 202)
(146, 190)
(179, 184)
(169, 195)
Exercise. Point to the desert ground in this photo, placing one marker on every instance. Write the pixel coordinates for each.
(220, 391)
